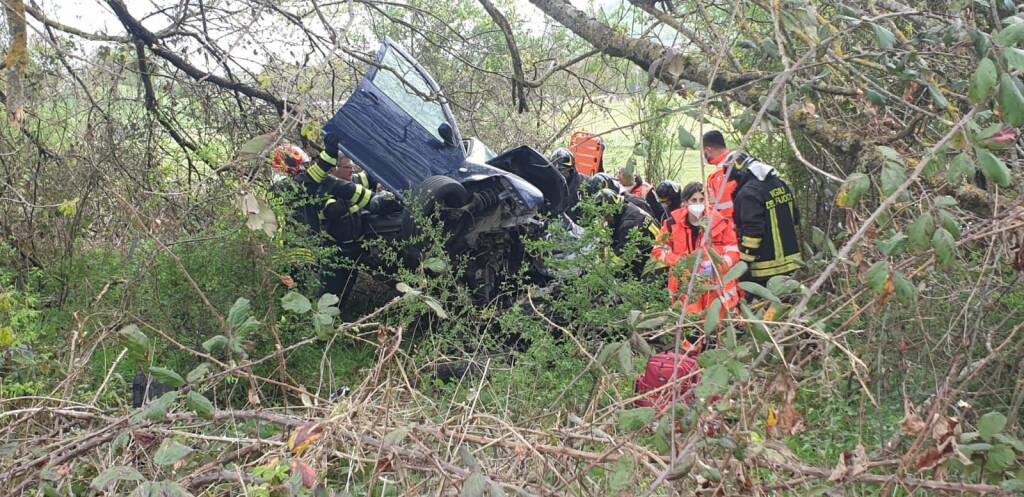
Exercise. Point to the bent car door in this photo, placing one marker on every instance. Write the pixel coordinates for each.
(397, 125)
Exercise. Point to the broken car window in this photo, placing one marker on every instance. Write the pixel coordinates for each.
(404, 85)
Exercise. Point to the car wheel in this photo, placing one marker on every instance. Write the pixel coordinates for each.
(442, 190)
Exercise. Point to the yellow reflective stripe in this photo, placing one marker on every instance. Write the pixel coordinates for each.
(787, 268)
(776, 238)
(654, 229)
(777, 262)
(327, 158)
(747, 257)
(316, 173)
(364, 179)
(329, 202)
(751, 242)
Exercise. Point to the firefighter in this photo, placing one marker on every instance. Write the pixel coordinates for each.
(720, 189)
(565, 162)
(287, 162)
(626, 220)
(604, 180)
(683, 234)
(326, 205)
(668, 198)
(766, 218)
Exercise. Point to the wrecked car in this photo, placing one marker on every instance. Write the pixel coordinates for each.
(398, 126)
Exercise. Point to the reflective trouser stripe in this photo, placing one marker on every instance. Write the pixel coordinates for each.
(783, 269)
(777, 262)
(782, 265)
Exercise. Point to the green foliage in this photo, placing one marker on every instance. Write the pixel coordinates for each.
(984, 81)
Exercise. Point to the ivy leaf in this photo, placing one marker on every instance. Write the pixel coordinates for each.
(115, 474)
(905, 289)
(652, 324)
(435, 264)
(686, 139)
(891, 155)
(759, 291)
(326, 300)
(920, 232)
(200, 405)
(198, 373)
(961, 167)
(1014, 485)
(1000, 457)
(436, 307)
(1011, 102)
(994, 168)
(621, 478)
(1014, 58)
(949, 222)
(877, 276)
(893, 246)
(625, 356)
(396, 436)
(713, 381)
(474, 486)
(170, 452)
(938, 98)
(255, 148)
(712, 317)
(877, 99)
(944, 245)
(136, 341)
(215, 343)
(893, 175)
(632, 420)
(160, 489)
(883, 37)
(990, 424)
(984, 81)
(296, 302)
(157, 409)
(1010, 35)
(166, 376)
(852, 190)
(735, 272)
(239, 312)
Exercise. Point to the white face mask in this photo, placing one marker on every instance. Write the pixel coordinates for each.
(696, 209)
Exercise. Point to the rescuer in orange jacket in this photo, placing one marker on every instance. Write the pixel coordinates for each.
(720, 189)
(683, 234)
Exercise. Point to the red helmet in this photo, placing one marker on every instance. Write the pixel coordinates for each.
(289, 159)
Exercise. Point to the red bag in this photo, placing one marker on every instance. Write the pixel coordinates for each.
(659, 374)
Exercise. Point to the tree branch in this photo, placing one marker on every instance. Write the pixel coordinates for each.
(138, 31)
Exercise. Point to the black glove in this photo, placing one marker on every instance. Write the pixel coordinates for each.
(331, 143)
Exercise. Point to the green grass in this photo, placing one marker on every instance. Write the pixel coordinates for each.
(618, 125)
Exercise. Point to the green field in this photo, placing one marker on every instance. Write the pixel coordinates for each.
(618, 124)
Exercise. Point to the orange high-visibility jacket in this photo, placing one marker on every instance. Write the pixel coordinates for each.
(639, 190)
(716, 183)
(676, 244)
